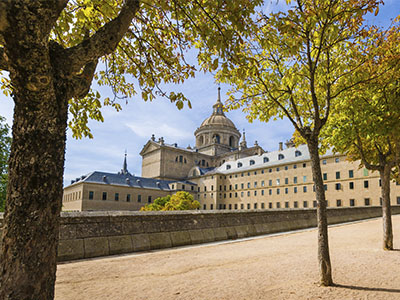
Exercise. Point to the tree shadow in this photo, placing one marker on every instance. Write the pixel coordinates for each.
(363, 288)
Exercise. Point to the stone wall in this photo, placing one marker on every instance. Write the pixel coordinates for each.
(93, 234)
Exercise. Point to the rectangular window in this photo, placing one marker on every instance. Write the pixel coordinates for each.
(183, 187)
(262, 205)
(236, 194)
(139, 198)
(294, 166)
(365, 172)
(286, 190)
(255, 205)
(351, 185)
(278, 182)
(324, 161)
(236, 186)
(248, 206)
(351, 173)
(325, 187)
(304, 189)
(220, 187)
(277, 169)
(262, 192)
(314, 203)
(128, 198)
(230, 206)
(211, 206)
(255, 183)
(337, 186)
(212, 187)
(255, 193)
(270, 205)
(352, 202)
(295, 204)
(241, 205)
(366, 184)
(91, 195)
(248, 193)
(305, 204)
(304, 178)
(286, 180)
(270, 170)
(295, 179)
(205, 189)
(337, 175)
(337, 159)
(398, 200)
(242, 186)
(304, 165)
(241, 194)
(149, 199)
(286, 204)
(277, 191)
(278, 205)
(366, 201)
(295, 189)
(270, 192)
(116, 197)
(236, 206)
(248, 173)
(286, 167)
(205, 196)
(230, 187)
(248, 185)
(325, 176)
(104, 196)
(262, 183)
(270, 182)
(338, 203)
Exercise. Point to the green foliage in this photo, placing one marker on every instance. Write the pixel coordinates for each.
(151, 53)
(5, 144)
(179, 201)
(365, 126)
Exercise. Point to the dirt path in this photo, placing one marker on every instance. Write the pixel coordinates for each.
(274, 267)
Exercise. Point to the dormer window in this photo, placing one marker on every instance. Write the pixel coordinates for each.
(266, 159)
(252, 162)
(228, 167)
(239, 165)
(281, 156)
(297, 153)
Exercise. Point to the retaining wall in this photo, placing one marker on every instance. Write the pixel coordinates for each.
(92, 234)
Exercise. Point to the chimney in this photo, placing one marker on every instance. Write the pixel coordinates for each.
(280, 146)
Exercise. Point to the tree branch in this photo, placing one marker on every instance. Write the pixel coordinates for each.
(3, 60)
(80, 84)
(103, 42)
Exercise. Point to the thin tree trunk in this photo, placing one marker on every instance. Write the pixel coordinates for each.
(324, 261)
(35, 186)
(386, 209)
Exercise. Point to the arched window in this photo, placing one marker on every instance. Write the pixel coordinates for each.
(228, 167)
(239, 164)
(176, 159)
(266, 159)
(194, 173)
(203, 162)
(180, 158)
(201, 140)
(252, 162)
(297, 153)
(281, 156)
(231, 141)
(184, 160)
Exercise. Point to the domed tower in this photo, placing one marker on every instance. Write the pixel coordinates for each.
(217, 134)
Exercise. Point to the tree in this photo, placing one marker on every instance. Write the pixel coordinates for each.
(51, 49)
(5, 142)
(296, 64)
(365, 127)
(179, 201)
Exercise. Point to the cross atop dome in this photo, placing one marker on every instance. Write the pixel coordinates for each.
(218, 107)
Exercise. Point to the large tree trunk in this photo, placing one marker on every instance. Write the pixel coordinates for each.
(386, 210)
(34, 192)
(324, 261)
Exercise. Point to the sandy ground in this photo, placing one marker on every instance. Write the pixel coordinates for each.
(271, 267)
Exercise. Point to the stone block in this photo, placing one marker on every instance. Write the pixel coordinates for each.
(140, 242)
(231, 232)
(132, 227)
(241, 231)
(67, 231)
(220, 234)
(120, 244)
(70, 250)
(180, 238)
(209, 235)
(96, 246)
(196, 236)
(251, 230)
(159, 240)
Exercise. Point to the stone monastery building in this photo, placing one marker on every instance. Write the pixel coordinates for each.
(222, 172)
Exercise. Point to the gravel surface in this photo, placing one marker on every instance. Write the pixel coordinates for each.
(283, 266)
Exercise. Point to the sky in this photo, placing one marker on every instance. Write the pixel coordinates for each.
(130, 129)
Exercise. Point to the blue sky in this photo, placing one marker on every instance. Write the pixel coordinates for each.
(132, 127)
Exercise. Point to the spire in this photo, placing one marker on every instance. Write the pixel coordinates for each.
(218, 106)
(125, 166)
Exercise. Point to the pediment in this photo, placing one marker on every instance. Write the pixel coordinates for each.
(149, 147)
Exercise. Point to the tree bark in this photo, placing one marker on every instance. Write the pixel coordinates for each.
(325, 270)
(386, 209)
(36, 165)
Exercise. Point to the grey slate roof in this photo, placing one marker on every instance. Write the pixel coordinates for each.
(127, 180)
(272, 159)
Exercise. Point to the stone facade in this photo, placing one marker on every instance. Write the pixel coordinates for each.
(223, 173)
